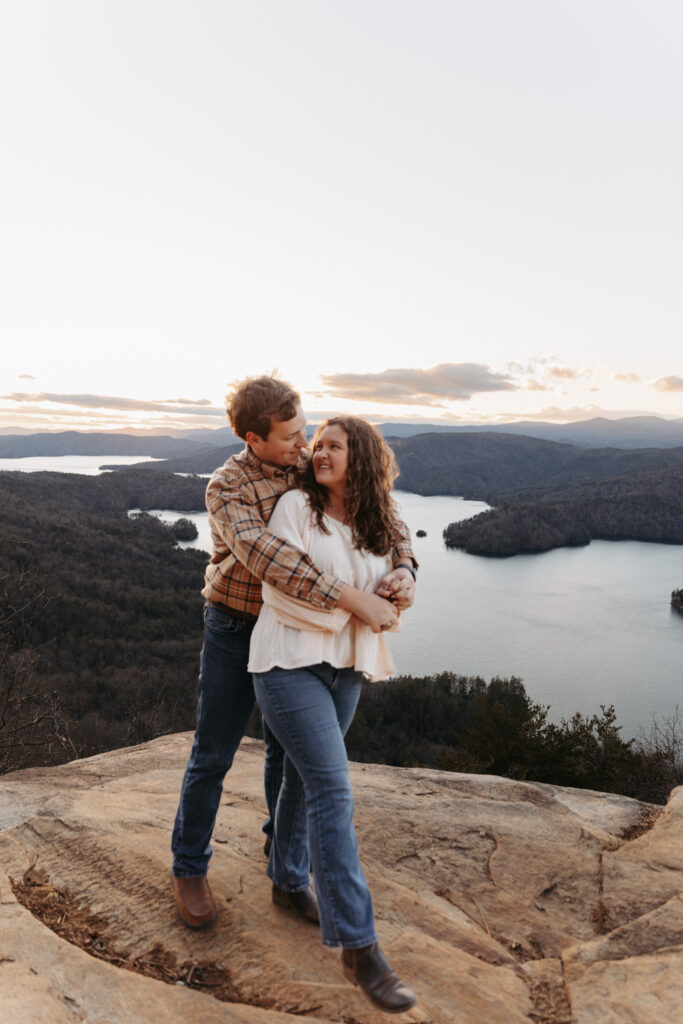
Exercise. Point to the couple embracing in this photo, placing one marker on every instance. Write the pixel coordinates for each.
(310, 567)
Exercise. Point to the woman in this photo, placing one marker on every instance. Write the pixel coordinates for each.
(307, 667)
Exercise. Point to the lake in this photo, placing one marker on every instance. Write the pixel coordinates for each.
(580, 626)
(84, 465)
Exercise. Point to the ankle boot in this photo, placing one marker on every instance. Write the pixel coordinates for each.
(368, 968)
(304, 904)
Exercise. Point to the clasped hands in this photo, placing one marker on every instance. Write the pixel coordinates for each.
(397, 592)
(398, 586)
(381, 610)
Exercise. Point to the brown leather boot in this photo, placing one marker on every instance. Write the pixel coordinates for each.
(368, 968)
(195, 901)
(303, 904)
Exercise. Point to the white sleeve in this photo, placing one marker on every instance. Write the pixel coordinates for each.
(290, 520)
(291, 611)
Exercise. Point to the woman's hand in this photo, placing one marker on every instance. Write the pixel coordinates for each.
(398, 586)
(375, 611)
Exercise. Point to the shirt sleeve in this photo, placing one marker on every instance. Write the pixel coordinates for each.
(267, 557)
(300, 615)
(403, 549)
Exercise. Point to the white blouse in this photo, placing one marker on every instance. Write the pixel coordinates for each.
(291, 633)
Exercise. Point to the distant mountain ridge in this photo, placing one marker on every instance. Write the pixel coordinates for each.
(73, 442)
(628, 432)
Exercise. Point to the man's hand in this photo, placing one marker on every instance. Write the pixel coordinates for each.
(398, 586)
(375, 611)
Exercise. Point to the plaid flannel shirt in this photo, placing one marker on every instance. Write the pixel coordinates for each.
(240, 498)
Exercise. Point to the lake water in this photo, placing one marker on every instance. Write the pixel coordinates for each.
(580, 626)
(85, 465)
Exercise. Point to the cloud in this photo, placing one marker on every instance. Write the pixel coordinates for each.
(534, 385)
(411, 386)
(545, 370)
(177, 406)
(566, 373)
(316, 416)
(626, 378)
(671, 383)
(199, 402)
(574, 413)
(26, 376)
(553, 413)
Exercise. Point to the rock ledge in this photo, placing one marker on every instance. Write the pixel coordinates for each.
(498, 901)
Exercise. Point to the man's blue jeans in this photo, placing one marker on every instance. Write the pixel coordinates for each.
(309, 710)
(226, 699)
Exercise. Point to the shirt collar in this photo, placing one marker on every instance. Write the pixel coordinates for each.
(270, 472)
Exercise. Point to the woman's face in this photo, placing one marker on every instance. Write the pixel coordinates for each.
(331, 457)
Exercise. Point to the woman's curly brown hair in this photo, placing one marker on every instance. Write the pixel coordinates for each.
(371, 512)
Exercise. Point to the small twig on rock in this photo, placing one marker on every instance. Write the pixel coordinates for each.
(483, 916)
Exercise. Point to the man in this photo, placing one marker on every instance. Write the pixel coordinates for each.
(266, 413)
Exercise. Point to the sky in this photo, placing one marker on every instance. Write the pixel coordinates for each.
(443, 211)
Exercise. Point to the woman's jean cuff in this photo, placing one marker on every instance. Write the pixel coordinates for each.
(357, 944)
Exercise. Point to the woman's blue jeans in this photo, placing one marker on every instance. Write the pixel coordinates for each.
(309, 710)
(226, 699)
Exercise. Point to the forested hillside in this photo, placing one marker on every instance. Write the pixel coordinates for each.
(101, 616)
(493, 467)
(108, 492)
(461, 723)
(646, 506)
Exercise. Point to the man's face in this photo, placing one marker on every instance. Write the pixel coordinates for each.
(283, 445)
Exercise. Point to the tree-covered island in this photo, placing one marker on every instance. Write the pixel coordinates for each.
(645, 506)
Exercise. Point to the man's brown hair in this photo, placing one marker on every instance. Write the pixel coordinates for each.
(255, 402)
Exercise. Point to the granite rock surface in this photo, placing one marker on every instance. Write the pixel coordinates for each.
(499, 902)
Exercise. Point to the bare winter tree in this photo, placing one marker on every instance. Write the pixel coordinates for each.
(663, 745)
(33, 730)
